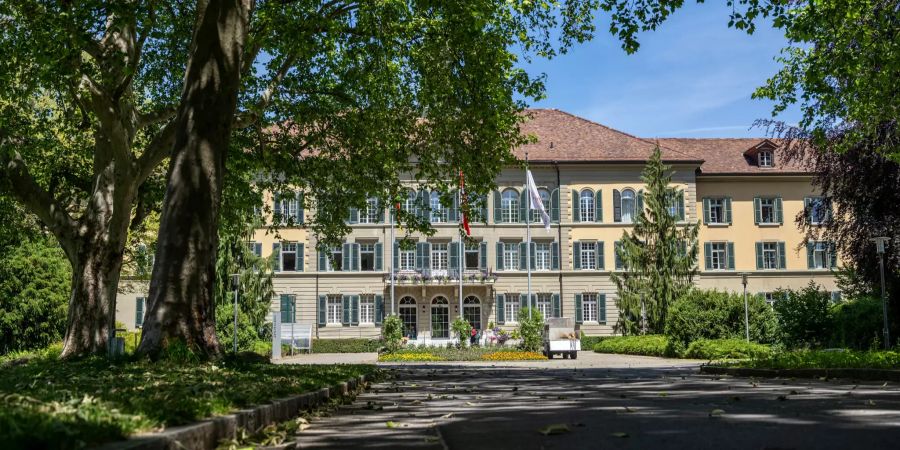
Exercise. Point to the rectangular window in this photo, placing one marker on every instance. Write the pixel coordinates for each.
(289, 256)
(371, 213)
(719, 255)
(511, 255)
(589, 307)
(407, 259)
(765, 159)
(588, 255)
(334, 261)
(820, 255)
(511, 307)
(366, 256)
(472, 255)
(286, 208)
(717, 210)
(769, 297)
(439, 256)
(817, 209)
(767, 211)
(335, 309)
(545, 305)
(770, 255)
(367, 308)
(542, 256)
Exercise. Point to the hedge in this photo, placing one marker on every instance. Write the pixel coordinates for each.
(710, 314)
(648, 345)
(353, 345)
(726, 349)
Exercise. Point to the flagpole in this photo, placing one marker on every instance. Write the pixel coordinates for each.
(528, 234)
(393, 257)
(462, 252)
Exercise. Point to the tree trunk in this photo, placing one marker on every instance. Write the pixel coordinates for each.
(181, 305)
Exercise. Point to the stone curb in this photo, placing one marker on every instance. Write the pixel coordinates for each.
(207, 433)
(855, 374)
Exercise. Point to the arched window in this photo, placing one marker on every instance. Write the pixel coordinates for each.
(472, 311)
(509, 206)
(438, 212)
(628, 210)
(408, 301)
(440, 317)
(407, 312)
(545, 200)
(586, 205)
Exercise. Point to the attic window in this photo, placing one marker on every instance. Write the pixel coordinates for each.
(765, 158)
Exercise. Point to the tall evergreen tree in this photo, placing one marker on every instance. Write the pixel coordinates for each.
(658, 257)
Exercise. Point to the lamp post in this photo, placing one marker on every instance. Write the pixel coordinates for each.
(879, 247)
(744, 276)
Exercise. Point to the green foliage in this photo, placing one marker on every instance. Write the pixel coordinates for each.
(726, 349)
(804, 316)
(826, 359)
(647, 345)
(35, 279)
(531, 329)
(351, 345)
(659, 257)
(462, 330)
(92, 401)
(452, 353)
(857, 324)
(710, 314)
(588, 342)
(392, 333)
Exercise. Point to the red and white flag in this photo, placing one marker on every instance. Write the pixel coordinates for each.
(463, 201)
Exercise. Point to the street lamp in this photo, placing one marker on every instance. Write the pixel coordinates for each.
(879, 247)
(744, 276)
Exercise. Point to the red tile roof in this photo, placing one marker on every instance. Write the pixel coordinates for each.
(731, 156)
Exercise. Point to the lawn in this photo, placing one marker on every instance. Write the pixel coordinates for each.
(824, 359)
(47, 403)
(460, 354)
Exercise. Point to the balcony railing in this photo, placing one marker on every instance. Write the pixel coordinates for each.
(445, 276)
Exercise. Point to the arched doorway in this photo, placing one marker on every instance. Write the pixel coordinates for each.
(472, 311)
(407, 310)
(440, 317)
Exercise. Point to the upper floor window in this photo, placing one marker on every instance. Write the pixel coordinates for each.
(542, 256)
(366, 256)
(334, 260)
(511, 255)
(817, 210)
(545, 200)
(769, 255)
(628, 209)
(287, 209)
(717, 210)
(719, 255)
(289, 256)
(765, 159)
(509, 206)
(768, 210)
(586, 206)
(371, 213)
(588, 255)
(439, 214)
(472, 256)
(439, 256)
(821, 255)
(407, 259)
(409, 203)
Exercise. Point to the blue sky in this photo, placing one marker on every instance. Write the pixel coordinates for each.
(693, 77)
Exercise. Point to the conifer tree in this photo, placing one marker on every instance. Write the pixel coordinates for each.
(658, 257)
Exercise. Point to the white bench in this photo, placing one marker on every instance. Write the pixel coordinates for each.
(297, 335)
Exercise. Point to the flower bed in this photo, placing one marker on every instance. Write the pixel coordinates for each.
(513, 356)
(460, 354)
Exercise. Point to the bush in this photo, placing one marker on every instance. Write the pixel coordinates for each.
(857, 324)
(352, 345)
(710, 314)
(826, 359)
(804, 316)
(392, 333)
(647, 345)
(588, 342)
(726, 349)
(531, 328)
(462, 330)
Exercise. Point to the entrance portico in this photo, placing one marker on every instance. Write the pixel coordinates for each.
(428, 310)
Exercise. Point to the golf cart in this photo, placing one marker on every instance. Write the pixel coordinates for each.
(560, 337)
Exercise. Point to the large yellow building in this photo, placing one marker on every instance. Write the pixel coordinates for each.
(745, 196)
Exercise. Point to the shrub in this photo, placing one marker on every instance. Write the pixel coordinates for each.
(350, 345)
(392, 333)
(588, 342)
(826, 359)
(531, 327)
(804, 317)
(857, 324)
(462, 330)
(647, 345)
(710, 314)
(726, 349)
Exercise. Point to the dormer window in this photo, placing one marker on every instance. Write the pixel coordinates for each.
(765, 158)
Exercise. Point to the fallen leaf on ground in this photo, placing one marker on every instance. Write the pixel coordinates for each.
(556, 428)
(430, 439)
(871, 402)
(470, 404)
(716, 413)
(447, 416)
(620, 434)
(392, 424)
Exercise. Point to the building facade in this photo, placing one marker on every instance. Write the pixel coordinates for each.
(742, 193)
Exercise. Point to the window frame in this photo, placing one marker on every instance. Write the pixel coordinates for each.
(440, 252)
(284, 249)
(588, 263)
(511, 308)
(545, 201)
(366, 247)
(544, 300)
(369, 214)
(773, 251)
(468, 249)
(723, 252)
(334, 308)
(586, 206)
(629, 195)
(367, 309)
(509, 206)
(542, 254)
(762, 208)
(770, 159)
(439, 213)
(590, 305)
(511, 256)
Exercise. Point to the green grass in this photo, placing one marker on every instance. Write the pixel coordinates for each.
(726, 349)
(819, 359)
(647, 345)
(48, 403)
(458, 354)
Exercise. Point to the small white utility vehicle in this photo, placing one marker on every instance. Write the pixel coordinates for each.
(560, 337)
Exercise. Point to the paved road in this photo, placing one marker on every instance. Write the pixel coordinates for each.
(631, 402)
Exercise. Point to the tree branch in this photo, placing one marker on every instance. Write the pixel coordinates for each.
(155, 153)
(153, 117)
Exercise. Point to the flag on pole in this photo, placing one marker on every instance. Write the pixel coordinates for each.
(535, 198)
(463, 202)
(397, 207)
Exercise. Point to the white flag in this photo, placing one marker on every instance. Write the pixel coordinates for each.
(535, 200)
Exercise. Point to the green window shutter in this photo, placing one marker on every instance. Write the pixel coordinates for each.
(617, 247)
(396, 255)
(276, 253)
(728, 210)
(345, 306)
(810, 259)
(257, 249)
(379, 256)
(426, 250)
(382, 218)
(705, 211)
(759, 255)
(576, 208)
(640, 204)
(482, 255)
(601, 308)
(322, 309)
(707, 253)
(323, 263)
(731, 255)
(355, 248)
(379, 309)
(353, 216)
(601, 256)
(354, 305)
(757, 210)
(579, 314)
(500, 256)
(681, 206)
(453, 261)
(523, 302)
(781, 256)
(139, 312)
(557, 307)
(298, 208)
(497, 203)
(278, 212)
(554, 205)
(286, 307)
(484, 209)
(300, 266)
(423, 205)
(533, 257)
(779, 215)
(453, 213)
(522, 256)
(523, 201)
(807, 210)
(832, 255)
(500, 310)
(576, 255)
(420, 256)
(617, 206)
(598, 206)
(346, 257)
(554, 256)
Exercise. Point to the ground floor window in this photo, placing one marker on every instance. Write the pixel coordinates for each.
(718, 256)
(545, 305)
(367, 308)
(408, 317)
(472, 311)
(589, 307)
(335, 309)
(511, 307)
(440, 318)
(770, 297)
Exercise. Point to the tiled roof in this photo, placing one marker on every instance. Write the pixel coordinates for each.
(731, 156)
(565, 137)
